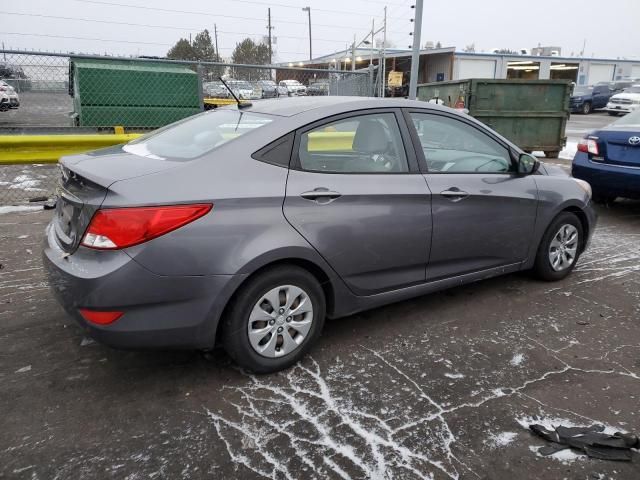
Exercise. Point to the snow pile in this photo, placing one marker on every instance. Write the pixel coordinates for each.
(517, 359)
(569, 151)
(19, 208)
(501, 439)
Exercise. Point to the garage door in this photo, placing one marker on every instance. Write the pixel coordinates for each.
(476, 68)
(601, 72)
(635, 71)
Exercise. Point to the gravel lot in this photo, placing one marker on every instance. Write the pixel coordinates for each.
(439, 386)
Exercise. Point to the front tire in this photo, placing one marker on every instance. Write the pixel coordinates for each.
(560, 248)
(586, 108)
(274, 320)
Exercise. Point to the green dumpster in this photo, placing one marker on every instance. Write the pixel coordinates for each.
(531, 113)
(131, 93)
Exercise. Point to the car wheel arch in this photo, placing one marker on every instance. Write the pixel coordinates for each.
(318, 272)
(578, 212)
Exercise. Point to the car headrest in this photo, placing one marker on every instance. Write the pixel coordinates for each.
(370, 137)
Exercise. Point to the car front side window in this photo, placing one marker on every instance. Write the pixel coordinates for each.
(452, 146)
(369, 143)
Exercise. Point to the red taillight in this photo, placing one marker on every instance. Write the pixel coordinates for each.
(100, 317)
(115, 228)
(589, 145)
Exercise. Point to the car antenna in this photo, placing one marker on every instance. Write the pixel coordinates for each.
(240, 105)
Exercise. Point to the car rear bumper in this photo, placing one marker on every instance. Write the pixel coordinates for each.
(607, 179)
(159, 311)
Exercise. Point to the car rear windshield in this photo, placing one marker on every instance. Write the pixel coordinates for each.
(196, 135)
(634, 89)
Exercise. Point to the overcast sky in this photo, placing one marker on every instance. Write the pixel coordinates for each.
(611, 29)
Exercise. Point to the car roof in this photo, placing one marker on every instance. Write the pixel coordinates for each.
(293, 106)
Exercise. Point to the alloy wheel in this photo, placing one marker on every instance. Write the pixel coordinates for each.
(563, 247)
(280, 321)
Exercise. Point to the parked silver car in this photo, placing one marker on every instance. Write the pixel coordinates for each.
(249, 226)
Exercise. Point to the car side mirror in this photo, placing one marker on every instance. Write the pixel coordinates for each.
(527, 164)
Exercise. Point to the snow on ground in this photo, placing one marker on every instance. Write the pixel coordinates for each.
(517, 359)
(501, 439)
(454, 375)
(19, 208)
(569, 151)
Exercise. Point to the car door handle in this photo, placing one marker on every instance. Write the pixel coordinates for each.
(454, 194)
(321, 195)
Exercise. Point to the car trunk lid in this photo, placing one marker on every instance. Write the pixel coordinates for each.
(621, 147)
(84, 182)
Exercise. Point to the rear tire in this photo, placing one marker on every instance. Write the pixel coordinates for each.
(290, 286)
(551, 153)
(555, 245)
(586, 108)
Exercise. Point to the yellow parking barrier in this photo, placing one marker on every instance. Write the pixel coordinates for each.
(23, 149)
(331, 141)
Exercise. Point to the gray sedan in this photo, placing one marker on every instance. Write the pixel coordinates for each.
(247, 227)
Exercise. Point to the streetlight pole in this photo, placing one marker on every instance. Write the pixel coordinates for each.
(415, 55)
(308, 10)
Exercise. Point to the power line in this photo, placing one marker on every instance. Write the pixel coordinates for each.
(168, 27)
(113, 40)
(208, 14)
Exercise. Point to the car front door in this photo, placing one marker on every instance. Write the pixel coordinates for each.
(483, 212)
(355, 193)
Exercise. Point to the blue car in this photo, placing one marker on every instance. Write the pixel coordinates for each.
(586, 99)
(609, 159)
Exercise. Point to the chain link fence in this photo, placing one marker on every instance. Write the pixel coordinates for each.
(47, 93)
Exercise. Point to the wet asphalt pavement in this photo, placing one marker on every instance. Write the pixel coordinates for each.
(440, 387)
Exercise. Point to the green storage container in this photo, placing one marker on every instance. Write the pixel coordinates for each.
(134, 94)
(532, 114)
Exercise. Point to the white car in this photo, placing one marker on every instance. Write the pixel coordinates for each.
(244, 90)
(625, 102)
(294, 87)
(9, 99)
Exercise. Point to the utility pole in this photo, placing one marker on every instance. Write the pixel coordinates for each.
(372, 42)
(215, 34)
(415, 55)
(384, 56)
(308, 10)
(353, 53)
(269, 27)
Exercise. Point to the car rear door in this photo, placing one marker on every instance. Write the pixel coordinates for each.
(483, 213)
(356, 194)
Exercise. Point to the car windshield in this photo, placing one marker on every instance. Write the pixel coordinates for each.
(582, 90)
(196, 135)
(634, 89)
(630, 120)
(270, 83)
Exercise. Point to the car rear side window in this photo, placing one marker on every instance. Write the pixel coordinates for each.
(196, 135)
(452, 146)
(277, 152)
(360, 144)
